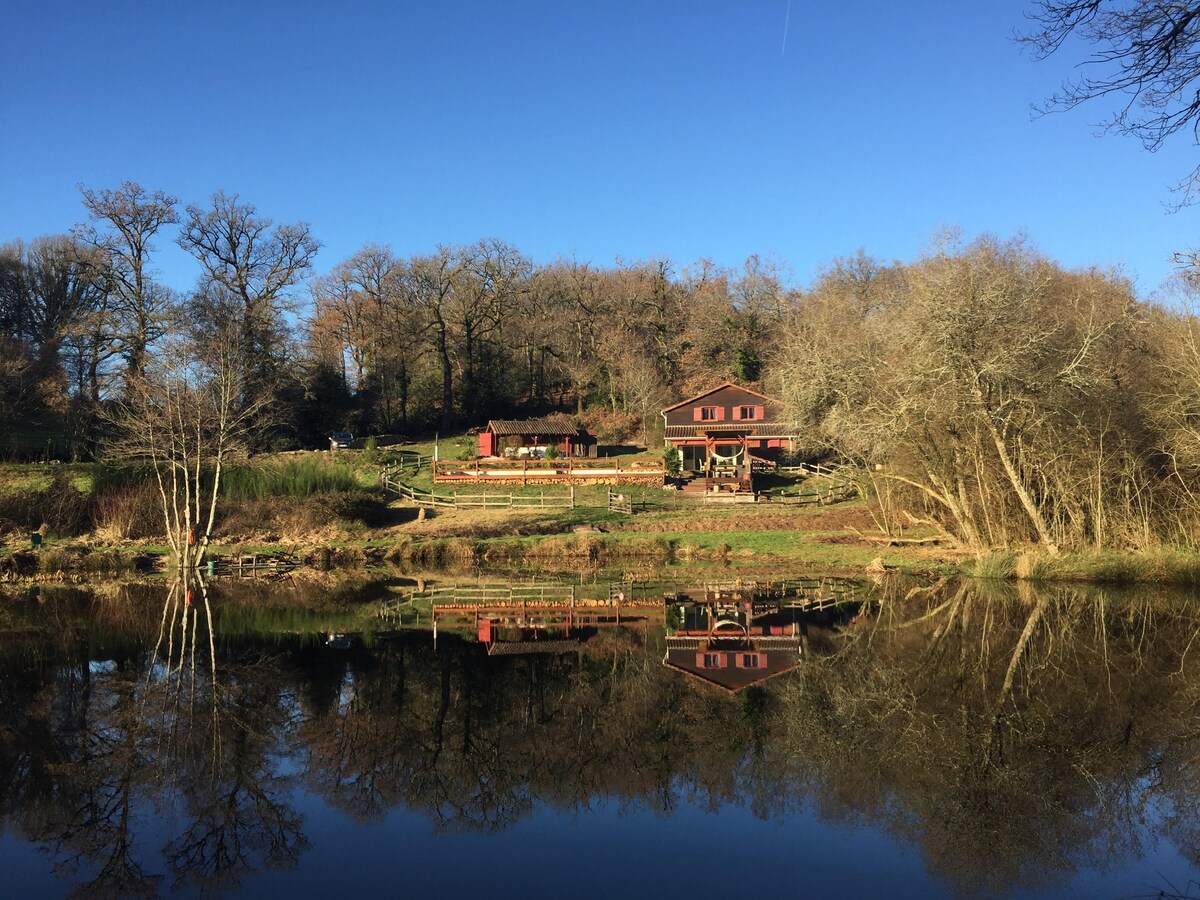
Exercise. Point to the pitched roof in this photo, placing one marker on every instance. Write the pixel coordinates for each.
(728, 384)
(538, 427)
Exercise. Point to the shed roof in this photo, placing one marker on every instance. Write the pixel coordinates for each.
(538, 427)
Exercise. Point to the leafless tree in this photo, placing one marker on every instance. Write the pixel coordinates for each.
(189, 413)
(124, 222)
(253, 264)
(1146, 56)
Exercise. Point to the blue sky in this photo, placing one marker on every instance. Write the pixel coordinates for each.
(592, 130)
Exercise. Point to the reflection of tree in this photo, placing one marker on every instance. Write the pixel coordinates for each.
(1013, 736)
(240, 819)
(88, 758)
(478, 742)
(1009, 733)
(224, 762)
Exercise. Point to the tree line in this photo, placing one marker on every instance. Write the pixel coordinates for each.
(986, 390)
(378, 344)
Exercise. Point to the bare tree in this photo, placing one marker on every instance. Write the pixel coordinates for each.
(124, 224)
(189, 413)
(428, 285)
(1146, 56)
(254, 263)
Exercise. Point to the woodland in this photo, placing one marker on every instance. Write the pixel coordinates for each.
(982, 387)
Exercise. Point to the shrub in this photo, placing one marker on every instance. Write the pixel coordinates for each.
(130, 512)
(994, 564)
(60, 508)
(673, 461)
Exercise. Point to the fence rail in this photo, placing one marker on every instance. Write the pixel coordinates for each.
(479, 501)
(549, 471)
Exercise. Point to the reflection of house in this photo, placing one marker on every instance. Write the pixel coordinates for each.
(531, 437)
(721, 431)
(735, 646)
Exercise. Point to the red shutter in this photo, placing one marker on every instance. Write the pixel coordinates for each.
(760, 413)
(696, 414)
(699, 660)
(720, 414)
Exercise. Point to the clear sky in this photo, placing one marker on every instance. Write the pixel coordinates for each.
(592, 130)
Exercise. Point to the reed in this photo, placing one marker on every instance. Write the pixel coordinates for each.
(294, 478)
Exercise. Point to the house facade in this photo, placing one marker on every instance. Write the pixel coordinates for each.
(721, 432)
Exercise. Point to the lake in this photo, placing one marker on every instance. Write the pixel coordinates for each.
(807, 737)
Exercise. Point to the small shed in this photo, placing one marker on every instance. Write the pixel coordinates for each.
(530, 437)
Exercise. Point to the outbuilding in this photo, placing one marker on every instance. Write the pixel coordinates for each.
(532, 437)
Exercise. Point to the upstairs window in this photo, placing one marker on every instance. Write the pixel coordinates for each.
(709, 414)
(748, 413)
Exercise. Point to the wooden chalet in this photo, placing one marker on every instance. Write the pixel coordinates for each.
(734, 646)
(722, 432)
(529, 438)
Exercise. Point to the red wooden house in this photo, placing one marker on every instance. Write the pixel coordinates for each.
(720, 432)
(531, 437)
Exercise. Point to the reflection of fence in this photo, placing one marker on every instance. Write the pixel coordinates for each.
(251, 565)
(550, 471)
(540, 614)
(499, 592)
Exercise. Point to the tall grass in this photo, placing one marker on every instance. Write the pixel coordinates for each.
(994, 564)
(295, 478)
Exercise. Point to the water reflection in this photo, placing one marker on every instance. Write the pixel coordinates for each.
(1013, 736)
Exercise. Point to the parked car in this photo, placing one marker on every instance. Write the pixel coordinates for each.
(341, 440)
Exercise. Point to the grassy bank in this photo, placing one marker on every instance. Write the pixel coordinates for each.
(1177, 566)
(100, 521)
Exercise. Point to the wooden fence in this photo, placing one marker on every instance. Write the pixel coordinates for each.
(479, 501)
(550, 471)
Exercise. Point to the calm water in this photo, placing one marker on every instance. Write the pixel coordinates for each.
(960, 742)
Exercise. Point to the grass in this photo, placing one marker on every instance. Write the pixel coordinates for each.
(836, 537)
(301, 477)
(18, 477)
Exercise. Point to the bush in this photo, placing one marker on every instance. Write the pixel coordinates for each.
(129, 512)
(673, 461)
(60, 508)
